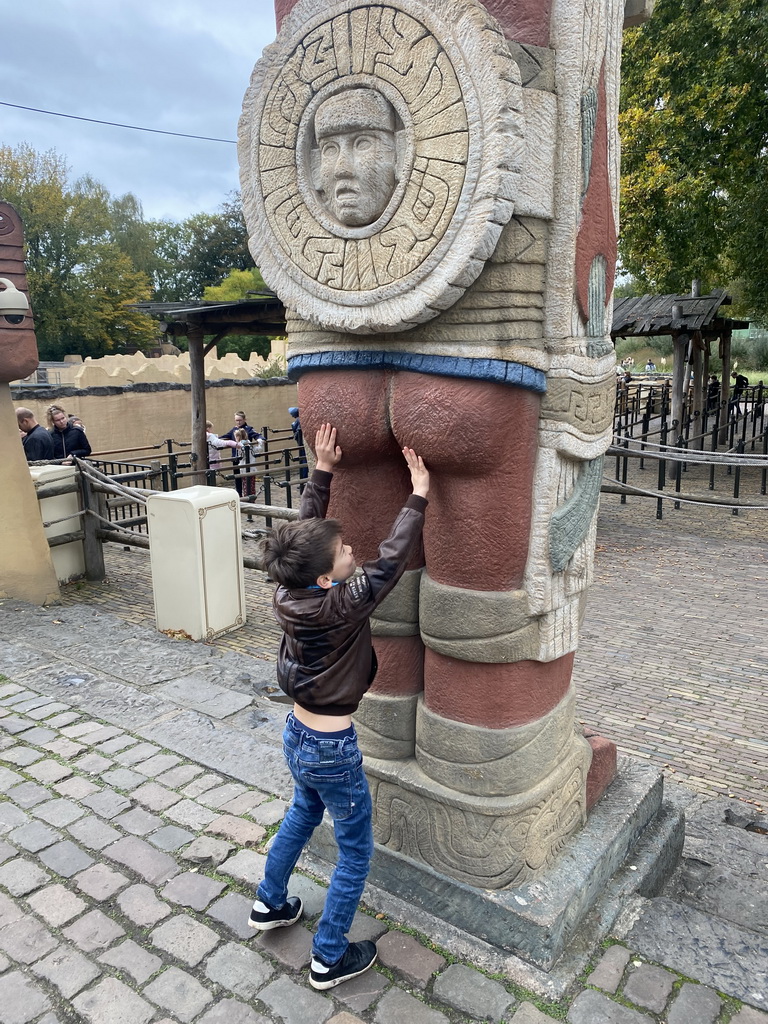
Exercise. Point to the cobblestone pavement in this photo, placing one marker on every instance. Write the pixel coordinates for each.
(673, 651)
(126, 868)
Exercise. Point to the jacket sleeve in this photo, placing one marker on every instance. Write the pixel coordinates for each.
(79, 446)
(317, 494)
(365, 591)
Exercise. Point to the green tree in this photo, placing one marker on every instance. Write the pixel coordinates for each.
(694, 130)
(80, 280)
(236, 285)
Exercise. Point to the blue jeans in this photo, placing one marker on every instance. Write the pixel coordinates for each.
(328, 774)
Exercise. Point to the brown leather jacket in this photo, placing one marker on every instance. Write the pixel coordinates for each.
(326, 660)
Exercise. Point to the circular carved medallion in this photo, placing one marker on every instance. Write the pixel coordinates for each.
(379, 148)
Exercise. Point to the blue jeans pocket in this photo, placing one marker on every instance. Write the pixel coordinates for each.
(334, 790)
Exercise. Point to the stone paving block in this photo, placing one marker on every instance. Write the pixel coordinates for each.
(363, 925)
(64, 748)
(80, 729)
(76, 788)
(107, 803)
(230, 1011)
(8, 779)
(34, 836)
(153, 865)
(207, 698)
(93, 931)
(182, 775)
(100, 882)
(58, 812)
(157, 764)
(220, 795)
(295, 1004)
(270, 812)
(93, 833)
(345, 1018)
(649, 987)
(467, 990)
(7, 851)
(39, 735)
(749, 1015)
(590, 1007)
(245, 803)
(122, 778)
(5, 963)
(191, 814)
(610, 968)
(141, 905)
(185, 938)
(170, 838)
(238, 969)
(68, 970)
(180, 993)
(192, 890)
(93, 764)
(26, 941)
(237, 830)
(107, 732)
(232, 911)
(528, 1014)
(60, 719)
(198, 785)
(407, 956)
(207, 852)
(14, 725)
(21, 999)
(20, 755)
(312, 896)
(121, 742)
(38, 701)
(694, 1003)
(65, 858)
(22, 876)
(246, 866)
(11, 817)
(28, 794)
(138, 753)
(56, 905)
(155, 797)
(138, 822)
(130, 957)
(397, 1005)
(9, 911)
(112, 1002)
(49, 771)
(291, 946)
(360, 992)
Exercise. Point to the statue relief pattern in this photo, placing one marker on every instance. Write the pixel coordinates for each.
(388, 90)
(443, 239)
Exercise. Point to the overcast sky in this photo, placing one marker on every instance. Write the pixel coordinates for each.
(176, 65)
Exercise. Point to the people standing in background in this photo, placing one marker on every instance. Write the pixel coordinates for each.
(215, 446)
(298, 437)
(68, 441)
(257, 446)
(247, 488)
(713, 392)
(37, 442)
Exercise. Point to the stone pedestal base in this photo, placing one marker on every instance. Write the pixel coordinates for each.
(537, 920)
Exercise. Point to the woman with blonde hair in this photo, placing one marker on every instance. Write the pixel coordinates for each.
(68, 441)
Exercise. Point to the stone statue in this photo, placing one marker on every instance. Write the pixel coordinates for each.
(433, 195)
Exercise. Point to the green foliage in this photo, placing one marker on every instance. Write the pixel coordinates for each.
(694, 124)
(80, 278)
(236, 285)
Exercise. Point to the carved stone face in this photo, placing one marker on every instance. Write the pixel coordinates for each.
(356, 171)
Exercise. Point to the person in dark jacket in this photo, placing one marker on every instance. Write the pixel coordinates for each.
(37, 442)
(67, 440)
(244, 485)
(326, 663)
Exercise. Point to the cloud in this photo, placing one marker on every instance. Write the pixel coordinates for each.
(180, 66)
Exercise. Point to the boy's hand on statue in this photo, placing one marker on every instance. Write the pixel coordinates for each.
(327, 451)
(419, 472)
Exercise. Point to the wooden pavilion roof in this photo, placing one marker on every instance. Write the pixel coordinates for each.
(652, 314)
(263, 314)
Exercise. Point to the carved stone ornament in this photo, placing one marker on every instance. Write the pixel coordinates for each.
(379, 151)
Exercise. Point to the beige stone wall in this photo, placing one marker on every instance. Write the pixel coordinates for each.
(132, 418)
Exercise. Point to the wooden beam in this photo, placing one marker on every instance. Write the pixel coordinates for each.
(197, 379)
(725, 386)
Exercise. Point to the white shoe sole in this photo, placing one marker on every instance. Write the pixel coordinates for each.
(323, 985)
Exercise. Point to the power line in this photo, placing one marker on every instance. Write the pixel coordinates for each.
(116, 124)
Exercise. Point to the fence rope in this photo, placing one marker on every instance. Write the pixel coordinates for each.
(673, 496)
(673, 454)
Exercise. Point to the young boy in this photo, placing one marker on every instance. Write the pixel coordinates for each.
(326, 663)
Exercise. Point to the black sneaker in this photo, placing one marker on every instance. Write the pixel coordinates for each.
(356, 960)
(264, 919)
